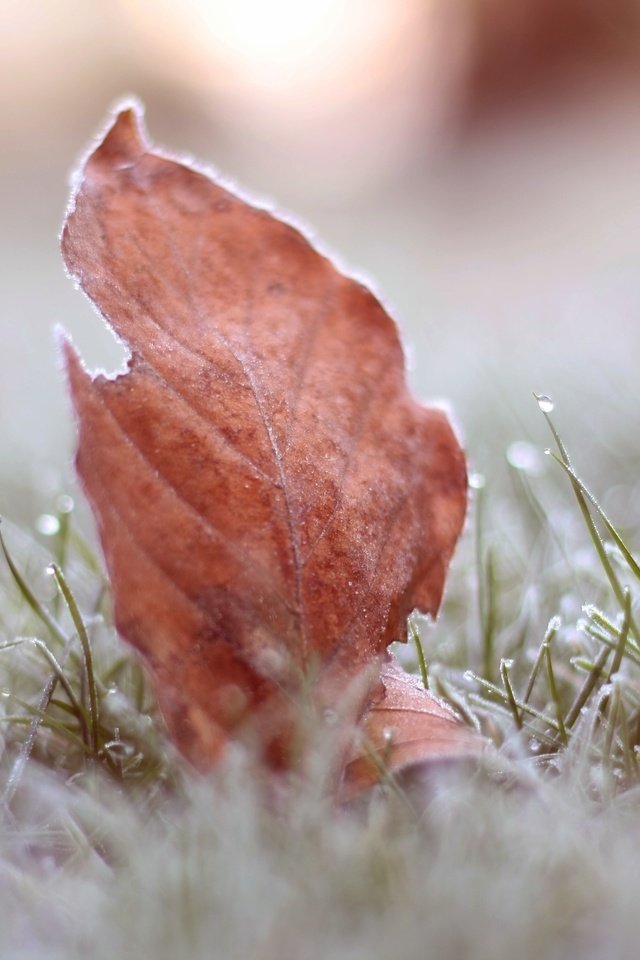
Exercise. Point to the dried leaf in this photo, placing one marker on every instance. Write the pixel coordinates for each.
(404, 729)
(271, 501)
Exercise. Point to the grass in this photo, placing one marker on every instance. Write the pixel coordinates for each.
(110, 847)
(566, 694)
(73, 698)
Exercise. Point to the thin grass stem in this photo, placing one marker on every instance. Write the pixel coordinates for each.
(31, 599)
(490, 706)
(590, 524)
(552, 628)
(506, 680)
(83, 636)
(45, 720)
(587, 688)
(524, 707)
(603, 638)
(623, 636)
(485, 573)
(17, 770)
(77, 707)
(632, 563)
(611, 704)
(457, 702)
(422, 663)
(553, 689)
(628, 755)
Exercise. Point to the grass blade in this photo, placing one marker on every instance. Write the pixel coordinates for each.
(422, 663)
(41, 612)
(83, 636)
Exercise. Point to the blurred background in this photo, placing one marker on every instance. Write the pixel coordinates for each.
(476, 160)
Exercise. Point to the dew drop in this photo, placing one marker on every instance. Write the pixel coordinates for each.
(469, 676)
(524, 456)
(65, 503)
(120, 749)
(47, 525)
(506, 663)
(476, 481)
(5, 692)
(545, 403)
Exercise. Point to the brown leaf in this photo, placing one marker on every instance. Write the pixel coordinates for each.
(271, 501)
(405, 728)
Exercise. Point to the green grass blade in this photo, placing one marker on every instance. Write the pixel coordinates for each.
(41, 612)
(17, 770)
(553, 689)
(506, 680)
(615, 535)
(485, 573)
(590, 524)
(552, 628)
(523, 707)
(587, 688)
(624, 634)
(83, 636)
(77, 707)
(422, 663)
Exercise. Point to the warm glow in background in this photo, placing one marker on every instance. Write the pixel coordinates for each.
(477, 160)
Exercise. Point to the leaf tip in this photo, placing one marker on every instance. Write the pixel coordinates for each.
(118, 146)
(124, 141)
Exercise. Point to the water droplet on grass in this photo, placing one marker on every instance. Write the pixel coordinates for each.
(476, 481)
(65, 503)
(545, 403)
